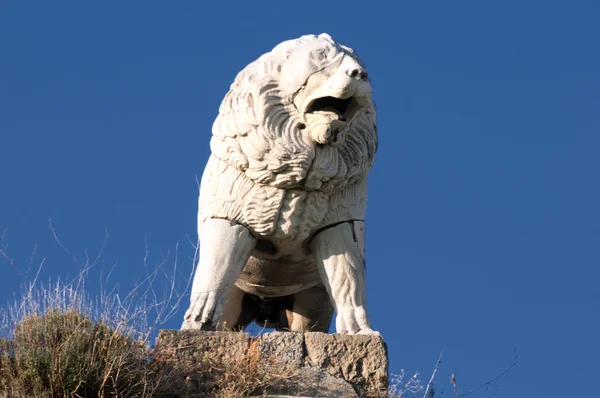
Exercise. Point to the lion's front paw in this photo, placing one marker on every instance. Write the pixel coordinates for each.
(201, 313)
(353, 321)
(369, 332)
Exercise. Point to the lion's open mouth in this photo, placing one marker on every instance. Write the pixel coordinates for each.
(331, 104)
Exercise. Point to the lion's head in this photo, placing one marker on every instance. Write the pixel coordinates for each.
(300, 116)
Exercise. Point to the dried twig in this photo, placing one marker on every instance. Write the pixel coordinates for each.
(454, 385)
(487, 383)
(9, 260)
(60, 243)
(429, 389)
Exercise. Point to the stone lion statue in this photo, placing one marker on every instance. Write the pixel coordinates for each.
(283, 195)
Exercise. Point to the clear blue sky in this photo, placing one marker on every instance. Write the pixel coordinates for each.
(483, 216)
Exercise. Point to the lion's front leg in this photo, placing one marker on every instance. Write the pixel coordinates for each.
(224, 251)
(339, 254)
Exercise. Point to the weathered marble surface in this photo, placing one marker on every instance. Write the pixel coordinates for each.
(283, 196)
(327, 365)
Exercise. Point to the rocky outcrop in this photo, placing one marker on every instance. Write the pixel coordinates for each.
(283, 363)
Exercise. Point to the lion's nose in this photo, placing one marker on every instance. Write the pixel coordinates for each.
(357, 73)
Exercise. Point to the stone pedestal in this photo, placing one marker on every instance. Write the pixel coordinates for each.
(278, 363)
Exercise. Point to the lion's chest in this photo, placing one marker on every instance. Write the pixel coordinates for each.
(301, 213)
(286, 216)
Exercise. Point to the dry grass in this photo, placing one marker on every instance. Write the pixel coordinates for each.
(65, 354)
(57, 341)
(61, 352)
(401, 388)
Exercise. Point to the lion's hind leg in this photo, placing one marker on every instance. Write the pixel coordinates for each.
(311, 311)
(235, 316)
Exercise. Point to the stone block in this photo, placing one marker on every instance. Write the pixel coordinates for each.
(359, 359)
(284, 348)
(320, 365)
(187, 346)
(312, 382)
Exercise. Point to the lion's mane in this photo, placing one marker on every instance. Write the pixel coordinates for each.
(265, 171)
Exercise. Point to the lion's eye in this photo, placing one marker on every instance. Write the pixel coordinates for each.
(321, 54)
